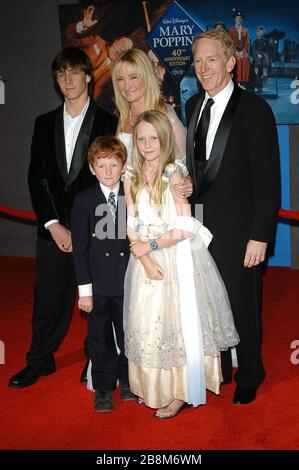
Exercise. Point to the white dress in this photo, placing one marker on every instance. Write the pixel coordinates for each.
(175, 328)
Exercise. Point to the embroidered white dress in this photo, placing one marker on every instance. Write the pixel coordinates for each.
(175, 328)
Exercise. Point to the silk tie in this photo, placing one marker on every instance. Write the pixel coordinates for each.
(202, 130)
(112, 204)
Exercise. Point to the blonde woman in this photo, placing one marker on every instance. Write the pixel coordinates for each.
(136, 89)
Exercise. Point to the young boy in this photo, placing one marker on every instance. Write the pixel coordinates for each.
(101, 253)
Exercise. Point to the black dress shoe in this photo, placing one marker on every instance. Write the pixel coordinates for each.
(83, 378)
(243, 396)
(103, 401)
(125, 392)
(28, 376)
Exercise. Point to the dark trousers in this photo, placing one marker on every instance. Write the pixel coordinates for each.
(54, 296)
(244, 287)
(107, 364)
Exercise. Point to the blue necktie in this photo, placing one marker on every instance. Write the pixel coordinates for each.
(112, 204)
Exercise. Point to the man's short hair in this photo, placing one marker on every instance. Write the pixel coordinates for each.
(74, 58)
(218, 35)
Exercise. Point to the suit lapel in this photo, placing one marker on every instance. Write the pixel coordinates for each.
(99, 200)
(191, 137)
(60, 144)
(219, 145)
(99, 197)
(82, 143)
(121, 214)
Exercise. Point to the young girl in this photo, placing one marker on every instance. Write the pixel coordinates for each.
(177, 316)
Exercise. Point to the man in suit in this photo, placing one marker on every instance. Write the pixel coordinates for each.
(101, 253)
(233, 158)
(58, 171)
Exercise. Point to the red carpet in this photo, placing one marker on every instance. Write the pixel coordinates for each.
(57, 412)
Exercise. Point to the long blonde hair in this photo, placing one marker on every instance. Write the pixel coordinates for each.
(164, 130)
(143, 66)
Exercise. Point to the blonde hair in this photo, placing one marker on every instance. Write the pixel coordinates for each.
(143, 66)
(164, 130)
(219, 35)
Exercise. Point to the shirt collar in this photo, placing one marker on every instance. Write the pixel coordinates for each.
(82, 114)
(106, 191)
(223, 95)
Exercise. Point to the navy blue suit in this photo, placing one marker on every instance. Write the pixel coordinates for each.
(102, 262)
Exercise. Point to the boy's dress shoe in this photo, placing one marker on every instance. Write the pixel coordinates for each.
(103, 401)
(28, 376)
(243, 396)
(125, 392)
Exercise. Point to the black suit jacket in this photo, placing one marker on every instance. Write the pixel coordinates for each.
(239, 184)
(52, 189)
(100, 261)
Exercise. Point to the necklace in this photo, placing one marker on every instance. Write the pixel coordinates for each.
(150, 175)
(131, 120)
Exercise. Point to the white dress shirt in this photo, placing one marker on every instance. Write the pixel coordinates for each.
(106, 191)
(85, 290)
(217, 110)
(72, 126)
